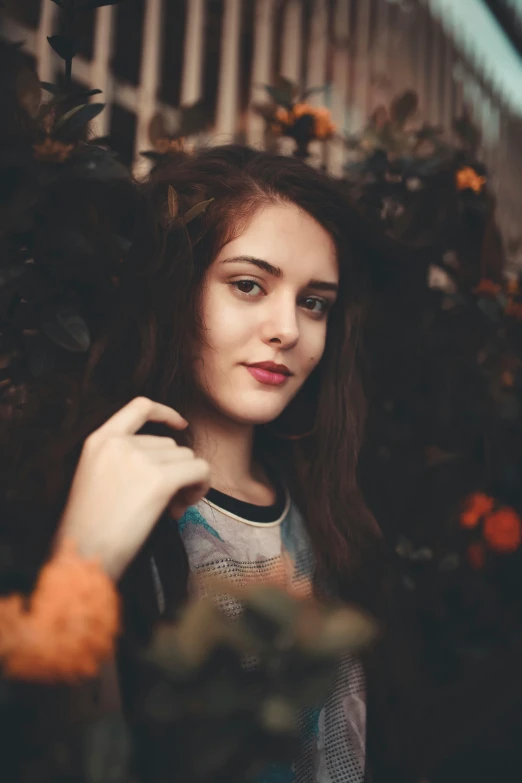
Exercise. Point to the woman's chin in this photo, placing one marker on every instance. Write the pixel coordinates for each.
(253, 415)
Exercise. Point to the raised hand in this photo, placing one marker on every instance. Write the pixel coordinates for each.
(124, 482)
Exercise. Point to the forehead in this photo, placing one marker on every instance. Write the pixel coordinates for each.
(289, 238)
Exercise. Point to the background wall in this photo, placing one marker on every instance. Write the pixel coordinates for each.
(149, 53)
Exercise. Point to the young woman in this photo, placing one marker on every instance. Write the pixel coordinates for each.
(242, 328)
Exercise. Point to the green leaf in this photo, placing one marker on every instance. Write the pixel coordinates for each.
(342, 630)
(180, 649)
(162, 702)
(273, 604)
(55, 102)
(11, 273)
(260, 628)
(313, 91)
(490, 309)
(467, 132)
(63, 46)
(279, 97)
(52, 88)
(157, 128)
(151, 155)
(87, 93)
(450, 562)
(76, 118)
(96, 163)
(79, 94)
(194, 119)
(74, 244)
(195, 211)
(403, 106)
(124, 244)
(278, 716)
(404, 547)
(287, 88)
(68, 115)
(308, 679)
(173, 203)
(265, 110)
(107, 750)
(67, 329)
(92, 4)
(41, 358)
(101, 141)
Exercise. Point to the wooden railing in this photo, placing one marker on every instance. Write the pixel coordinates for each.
(367, 52)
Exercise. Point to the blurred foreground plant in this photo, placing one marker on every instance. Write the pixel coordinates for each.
(232, 691)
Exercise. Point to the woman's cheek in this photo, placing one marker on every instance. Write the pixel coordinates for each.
(222, 319)
(316, 348)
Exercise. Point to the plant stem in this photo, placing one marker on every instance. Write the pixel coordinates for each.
(68, 72)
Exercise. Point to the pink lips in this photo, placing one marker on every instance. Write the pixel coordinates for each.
(269, 373)
(267, 376)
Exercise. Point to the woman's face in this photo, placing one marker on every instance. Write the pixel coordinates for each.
(266, 300)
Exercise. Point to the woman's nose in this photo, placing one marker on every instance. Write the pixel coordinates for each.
(281, 326)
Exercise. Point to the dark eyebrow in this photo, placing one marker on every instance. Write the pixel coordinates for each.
(275, 271)
(264, 265)
(322, 285)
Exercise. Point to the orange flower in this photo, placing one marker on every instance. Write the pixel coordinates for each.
(477, 506)
(52, 151)
(468, 179)
(323, 125)
(283, 115)
(508, 379)
(513, 286)
(68, 627)
(486, 286)
(302, 108)
(164, 146)
(503, 530)
(476, 555)
(514, 310)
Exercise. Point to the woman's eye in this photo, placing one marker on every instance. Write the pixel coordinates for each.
(318, 306)
(247, 286)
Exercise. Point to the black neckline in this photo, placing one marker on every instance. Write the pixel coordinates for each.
(250, 511)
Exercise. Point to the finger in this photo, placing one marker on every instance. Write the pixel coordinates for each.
(138, 412)
(153, 446)
(168, 456)
(153, 442)
(186, 474)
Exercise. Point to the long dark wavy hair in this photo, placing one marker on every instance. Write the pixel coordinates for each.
(156, 337)
(146, 348)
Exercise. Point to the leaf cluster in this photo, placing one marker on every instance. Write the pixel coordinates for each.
(64, 224)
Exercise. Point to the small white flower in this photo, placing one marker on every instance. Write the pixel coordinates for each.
(439, 280)
(414, 183)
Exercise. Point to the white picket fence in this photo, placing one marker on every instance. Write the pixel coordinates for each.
(366, 50)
